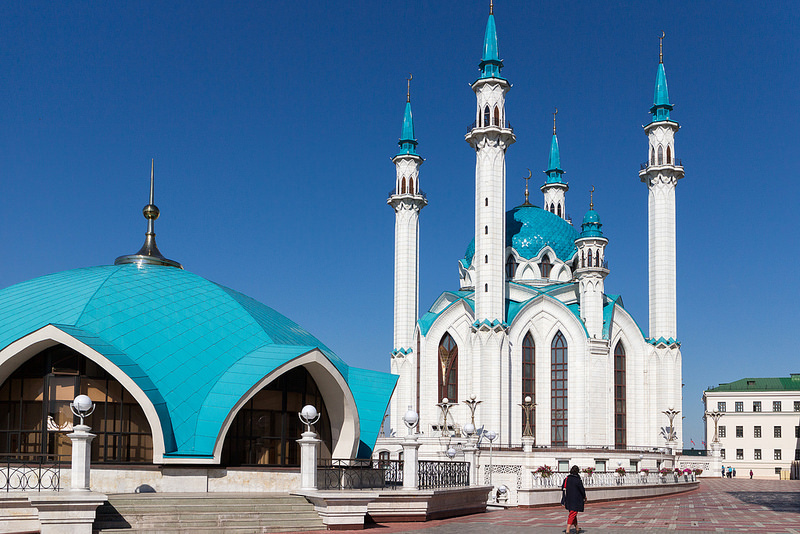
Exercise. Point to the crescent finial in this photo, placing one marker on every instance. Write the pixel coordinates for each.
(408, 90)
(591, 198)
(526, 187)
(661, 47)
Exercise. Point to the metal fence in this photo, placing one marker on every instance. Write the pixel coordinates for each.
(30, 472)
(388, 474)
(612, 479)
(359, 474)
(434, 474)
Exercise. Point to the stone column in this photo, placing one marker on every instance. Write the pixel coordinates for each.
(410, 463)
(309, 447)
(527, 443)
(471, 454)
(715, 465)
(81, 457)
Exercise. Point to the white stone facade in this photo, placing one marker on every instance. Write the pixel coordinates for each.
(532, 318)
(759, 430)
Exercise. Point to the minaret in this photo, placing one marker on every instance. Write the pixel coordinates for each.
(591, 271)
(554, 188)
(407, 200)
(490, 136)
(149, 253)
(661, 174)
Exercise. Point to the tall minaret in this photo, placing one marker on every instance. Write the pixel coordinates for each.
(591, 271)
(661, 175)
(407, 200)
(490, 137)
(554, 188)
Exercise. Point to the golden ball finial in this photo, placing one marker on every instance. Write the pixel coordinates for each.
(150, 212)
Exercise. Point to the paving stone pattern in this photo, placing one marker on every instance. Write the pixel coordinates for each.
(719, 505)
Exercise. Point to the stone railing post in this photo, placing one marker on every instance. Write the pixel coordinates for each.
(309, 447)
(471, 455)
(410, 462)
(527, 443)
(81, 457)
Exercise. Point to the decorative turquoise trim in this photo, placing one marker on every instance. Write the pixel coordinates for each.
(661, 106)
(407, 142)
(490, 63)
(554, 170)
(661, 342)
(491, 324)
(402, 351)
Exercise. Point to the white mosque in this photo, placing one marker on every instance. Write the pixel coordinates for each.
(531, 317)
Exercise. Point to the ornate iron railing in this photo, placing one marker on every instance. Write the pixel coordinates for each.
(475, 125)
(30, 472)
(433, 474)
(419, 193)
(610, 479)
(676, 162)
(359, 474)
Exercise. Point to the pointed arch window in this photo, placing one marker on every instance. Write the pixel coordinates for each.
(528, 376)
(545, 267)
(486, 230)
(660, 155)
(558, 209)
(597, 258)
(552, 208)
(496, 116)
(620, 418)
(486, 259)
(652, 156)
(511, 267)
(486, 116)
(411, 186)
(669, 155)
(448, 369)
(583, 259)
(558, 388)
(403, 186)
(486, 201)
(589, 257)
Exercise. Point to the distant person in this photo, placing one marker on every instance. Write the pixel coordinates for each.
(734, 472)
(751, 474)
(573, 497)
(723, 471)
(730, 471)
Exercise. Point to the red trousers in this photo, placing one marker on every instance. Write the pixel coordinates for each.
(573, 518)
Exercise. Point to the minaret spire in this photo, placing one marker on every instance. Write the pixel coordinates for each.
(406, 200)
(554, 187)
(149, 253)
(661, 106)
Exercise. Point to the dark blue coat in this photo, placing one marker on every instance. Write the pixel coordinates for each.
(575, 493)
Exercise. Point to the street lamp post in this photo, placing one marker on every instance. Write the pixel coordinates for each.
(410, 452)
(81, 407)
(491, 436)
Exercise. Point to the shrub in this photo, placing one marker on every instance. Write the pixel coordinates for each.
(620, 471)
(544, 471)
(698, 472)
(589, 470)
(645, 471)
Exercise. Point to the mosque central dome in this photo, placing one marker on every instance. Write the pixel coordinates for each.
(530, 228)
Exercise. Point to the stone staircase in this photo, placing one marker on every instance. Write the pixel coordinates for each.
(218, 513)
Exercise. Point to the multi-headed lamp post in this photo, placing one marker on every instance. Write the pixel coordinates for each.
(715, 416)
(469, 428)
(445, 406)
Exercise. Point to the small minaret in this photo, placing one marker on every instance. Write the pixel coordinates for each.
(490, 136)
(407, 200)
(591, 271)
(149, 253)
(661, 174)
(554, 188)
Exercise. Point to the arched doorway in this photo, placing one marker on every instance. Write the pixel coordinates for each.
(266, 428)
(35, 415)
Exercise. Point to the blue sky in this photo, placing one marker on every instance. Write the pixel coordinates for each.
(272, 125)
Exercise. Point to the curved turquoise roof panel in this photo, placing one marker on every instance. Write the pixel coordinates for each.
(529, 229)
(193, 346)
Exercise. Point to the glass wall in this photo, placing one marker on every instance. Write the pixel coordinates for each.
(266, 429)
(35, 416)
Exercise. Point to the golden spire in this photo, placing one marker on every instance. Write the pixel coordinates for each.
(661, 47)
(526, 178)
(408, 91)
(554, 120)
(591, 198)
(491, 7)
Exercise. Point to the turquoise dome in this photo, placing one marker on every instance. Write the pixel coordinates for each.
(591, 226)
(193, 346)
(530, 228)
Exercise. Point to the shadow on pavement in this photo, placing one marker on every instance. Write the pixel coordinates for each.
(774, 500)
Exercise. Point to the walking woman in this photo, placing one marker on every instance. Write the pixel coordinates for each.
(574, 495)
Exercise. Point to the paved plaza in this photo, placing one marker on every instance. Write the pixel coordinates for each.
(719, 505)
